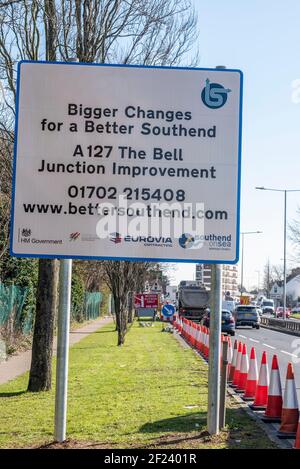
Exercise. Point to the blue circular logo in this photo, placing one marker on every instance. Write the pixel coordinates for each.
(214, 95)
(168, 310)
(186, 241)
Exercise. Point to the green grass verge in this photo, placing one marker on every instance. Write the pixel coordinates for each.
(152, 392)
(295, 315)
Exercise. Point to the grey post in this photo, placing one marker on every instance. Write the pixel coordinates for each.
(62, 360)
(214, 350)
(63, 327)
(223, 389)
(284, 259)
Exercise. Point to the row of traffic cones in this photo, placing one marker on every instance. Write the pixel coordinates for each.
(267, 395)
(243, 375)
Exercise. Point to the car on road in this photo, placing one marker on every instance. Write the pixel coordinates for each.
(279, 312)
(296, 309)
(247, 315)
(228, 323)
(267, 306)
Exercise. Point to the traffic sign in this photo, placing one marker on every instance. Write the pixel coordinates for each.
(146, 300)
(168, 310)
(127, 162)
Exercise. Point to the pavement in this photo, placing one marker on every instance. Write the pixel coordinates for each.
(19, 364)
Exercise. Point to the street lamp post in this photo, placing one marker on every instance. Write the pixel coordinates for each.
(243, 233)
(285, 191)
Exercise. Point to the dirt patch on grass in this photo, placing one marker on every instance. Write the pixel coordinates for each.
(235, 438)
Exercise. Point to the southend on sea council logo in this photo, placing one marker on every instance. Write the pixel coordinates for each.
(214, 95)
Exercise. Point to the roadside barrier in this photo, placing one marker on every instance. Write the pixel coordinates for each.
(233, 361)
(206, 343)
(290, 412)
(282, 325)
(193, 334)
(236, 375)
(198, 337)
(229, 355)
(274, 404)
(261, 395)
(241, 387)
(252, 378)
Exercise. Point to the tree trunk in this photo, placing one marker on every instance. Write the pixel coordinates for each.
(42, 347)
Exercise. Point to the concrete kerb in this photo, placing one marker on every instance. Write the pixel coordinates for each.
(270, 429)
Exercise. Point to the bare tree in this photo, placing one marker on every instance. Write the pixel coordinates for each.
(149, 32)
(277, 273)
(123, 277)
(268, 278)
(294, 235)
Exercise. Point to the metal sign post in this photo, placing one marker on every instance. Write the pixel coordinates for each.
(63, 327)
(214, 350)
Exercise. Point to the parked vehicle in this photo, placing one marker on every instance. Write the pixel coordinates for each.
(296, 309)
(193, 300)
(228, 323)
(279, 312)
(246, 315)
(267, 306)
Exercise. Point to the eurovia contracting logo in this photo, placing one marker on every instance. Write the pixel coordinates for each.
(214, 95)
(115, 238)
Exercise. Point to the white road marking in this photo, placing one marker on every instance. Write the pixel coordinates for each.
(244, 337)
(288, 353)
(254, 340)
(270, 346)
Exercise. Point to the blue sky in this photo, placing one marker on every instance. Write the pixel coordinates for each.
(262, 38)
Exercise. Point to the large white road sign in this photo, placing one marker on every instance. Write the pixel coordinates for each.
(127, 162)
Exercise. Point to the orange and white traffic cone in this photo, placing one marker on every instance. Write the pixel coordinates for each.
(290, 412)
(233, 361)
(274, 404)
(252, 377)
(238, 366)
(297, 440)
(241, 387)
(261, 395)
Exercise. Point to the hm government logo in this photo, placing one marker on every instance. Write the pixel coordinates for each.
(214, 95)
(26, 232)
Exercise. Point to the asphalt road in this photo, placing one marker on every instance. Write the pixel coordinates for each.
(285, 346)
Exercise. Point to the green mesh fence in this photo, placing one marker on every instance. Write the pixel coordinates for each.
(92, 305)
(89, 309)
(13, 314)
